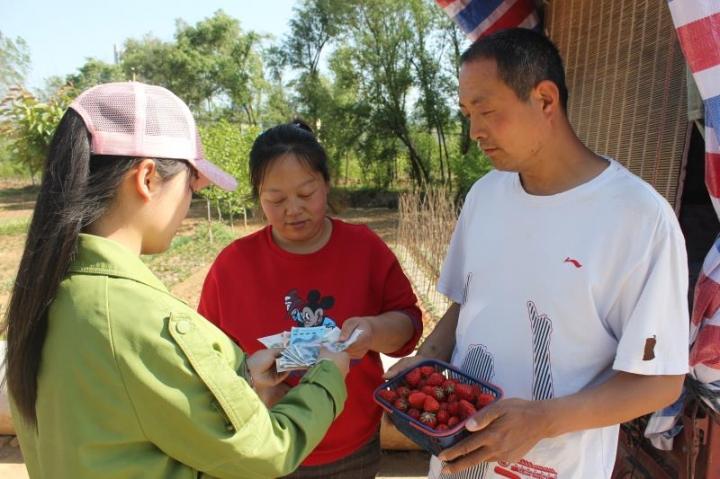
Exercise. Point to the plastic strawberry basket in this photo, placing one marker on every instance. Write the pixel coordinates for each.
(432, 440)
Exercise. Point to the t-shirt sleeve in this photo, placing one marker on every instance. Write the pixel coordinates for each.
(650, 317)
(452, 275)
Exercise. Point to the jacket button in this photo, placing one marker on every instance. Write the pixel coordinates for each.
(183, 327)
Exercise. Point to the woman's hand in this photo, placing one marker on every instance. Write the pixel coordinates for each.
(261, 365)
(272, 394)
(363, 343)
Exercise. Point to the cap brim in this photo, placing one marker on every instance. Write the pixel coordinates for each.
(211, 174)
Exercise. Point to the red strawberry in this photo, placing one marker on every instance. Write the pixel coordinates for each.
(464, 391)
(431, 404)
(436, 379)
(452, 397)
(427, 370)
(449, 386)
(428, 419)
(442, 427)
(417, 399)
(421, 384)
(429, 390)
(477, 390)
(453, 421)
(438, 393)
(466, 409)
(453, 408)
(388, 395)
(413, 413)
(443, 406)
(484, 399)
(442, 417)
(413, 377)
(403, 391)
(401, 404)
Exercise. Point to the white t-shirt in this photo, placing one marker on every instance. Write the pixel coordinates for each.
(558, 291)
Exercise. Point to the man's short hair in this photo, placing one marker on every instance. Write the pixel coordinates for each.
(524, 58)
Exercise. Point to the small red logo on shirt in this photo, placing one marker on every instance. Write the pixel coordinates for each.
(575, 262)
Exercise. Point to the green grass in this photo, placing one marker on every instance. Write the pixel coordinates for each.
(189, 253)
(14, 227)
(21, 193)
(7, 285)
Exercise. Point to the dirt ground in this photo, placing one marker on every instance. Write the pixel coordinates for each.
(16, 203)
(394, 464)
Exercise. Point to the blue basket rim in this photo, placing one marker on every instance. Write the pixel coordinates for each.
(414, 422)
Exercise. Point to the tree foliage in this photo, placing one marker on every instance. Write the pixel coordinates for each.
(228, 146)
(28, 125)
(376, 79)
(212, 65)
(14, 62)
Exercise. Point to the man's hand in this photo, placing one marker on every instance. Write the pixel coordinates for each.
(505, 430)
(261, 365)
(508, 429)
(364, 342)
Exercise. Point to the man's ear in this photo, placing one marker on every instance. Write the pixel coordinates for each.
(547, 94)
(144, 178)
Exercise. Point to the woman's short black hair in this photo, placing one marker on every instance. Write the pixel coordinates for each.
(294, 138)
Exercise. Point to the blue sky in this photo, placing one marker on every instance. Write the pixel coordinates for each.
(62, 35)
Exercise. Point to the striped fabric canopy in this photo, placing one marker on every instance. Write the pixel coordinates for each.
(483, 17)
(698, 27)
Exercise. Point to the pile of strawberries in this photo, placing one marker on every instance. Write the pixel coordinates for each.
(439, 403)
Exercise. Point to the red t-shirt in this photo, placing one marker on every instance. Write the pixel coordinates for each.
(255, 289)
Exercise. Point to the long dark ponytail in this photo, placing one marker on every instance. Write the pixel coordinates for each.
(76, 190)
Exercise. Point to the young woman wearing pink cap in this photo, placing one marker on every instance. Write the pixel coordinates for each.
(110, 375)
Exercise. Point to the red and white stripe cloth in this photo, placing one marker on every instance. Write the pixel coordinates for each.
(483, 17)
(697, 23)
(698, 27)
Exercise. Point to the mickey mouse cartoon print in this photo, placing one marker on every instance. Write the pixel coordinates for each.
(311, 312)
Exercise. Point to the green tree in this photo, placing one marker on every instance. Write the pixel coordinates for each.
(381, 36)
(435, 86)
(315, 24)
(228, 146)
(28, 125)
(94, 72)
(14, 62)
(346, 117)
(213, 65)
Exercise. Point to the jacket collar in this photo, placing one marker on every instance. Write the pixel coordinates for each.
(102, 256)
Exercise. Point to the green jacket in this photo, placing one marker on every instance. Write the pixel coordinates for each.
(133, 383)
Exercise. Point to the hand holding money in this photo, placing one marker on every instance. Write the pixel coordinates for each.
(302, 345)
(359, 328)
(263, 369)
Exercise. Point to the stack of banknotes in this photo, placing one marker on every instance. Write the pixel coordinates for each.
(301, 346)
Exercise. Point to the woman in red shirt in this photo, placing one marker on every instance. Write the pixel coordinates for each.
(307, 269)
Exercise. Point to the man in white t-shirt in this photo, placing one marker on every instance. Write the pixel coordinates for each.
(568, 276)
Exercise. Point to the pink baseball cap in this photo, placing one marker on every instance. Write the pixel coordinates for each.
(145, 121)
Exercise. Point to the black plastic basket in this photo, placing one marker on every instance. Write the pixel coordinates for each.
(431, 440)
